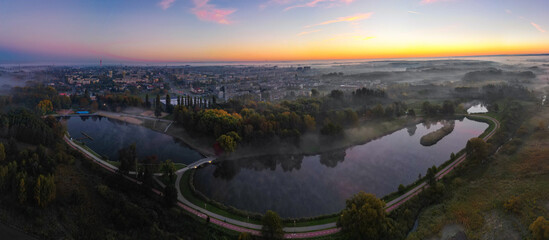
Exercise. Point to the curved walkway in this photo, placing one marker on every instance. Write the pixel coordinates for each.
(316, 230)
(291, 232)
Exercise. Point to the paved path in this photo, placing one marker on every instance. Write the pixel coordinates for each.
(291, 232)
(324, 229)
(99, 161)
(405, 197)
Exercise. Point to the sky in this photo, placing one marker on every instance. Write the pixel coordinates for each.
(267, 30)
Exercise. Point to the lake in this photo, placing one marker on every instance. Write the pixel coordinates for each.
(110, 135)
(305, 186)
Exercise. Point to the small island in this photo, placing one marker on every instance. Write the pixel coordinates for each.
(432, 138)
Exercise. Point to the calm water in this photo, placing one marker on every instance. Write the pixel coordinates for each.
(298, 186)
(110, 135)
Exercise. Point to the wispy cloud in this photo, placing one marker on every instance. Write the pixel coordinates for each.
(165, 4)
(351, 19)
(413, 12)
(209, 12)
(508, 11)
(538, 27)
(308, 32)
(315, 3)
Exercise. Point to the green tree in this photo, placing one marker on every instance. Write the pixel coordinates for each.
(227, 143)
(127, 158)
(315, 93)
(401, 189)
(431, 175)
(3, 177)
(245, 236)
(540, 229)
(147, 103)
(448, 107)
(170, 194)
(2, 153)
(44, 107)
(377, 111)
(168, 171)
(235, 136)
(477, 150)
(22, 187)
(158, 106)
(364, 218)
(411, 112)
(169, 107)
(272, 226)
(44, 190)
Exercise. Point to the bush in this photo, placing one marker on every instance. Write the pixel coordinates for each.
(540, 229)
(513, 204)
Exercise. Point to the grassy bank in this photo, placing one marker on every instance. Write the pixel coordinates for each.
(501, 198)
(219, 208)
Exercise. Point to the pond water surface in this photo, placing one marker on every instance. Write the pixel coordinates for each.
(111, 135)
(307, 186)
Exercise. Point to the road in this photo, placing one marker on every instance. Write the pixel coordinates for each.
(291, 232)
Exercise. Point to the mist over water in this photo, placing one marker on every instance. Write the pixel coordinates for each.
(307, 186)
(110, 135)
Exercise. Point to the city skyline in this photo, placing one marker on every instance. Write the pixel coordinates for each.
(269, 30)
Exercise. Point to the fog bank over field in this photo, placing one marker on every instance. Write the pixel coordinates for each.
(9, 80)
(433, 71)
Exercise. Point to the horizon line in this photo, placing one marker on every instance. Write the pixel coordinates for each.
(129, 63)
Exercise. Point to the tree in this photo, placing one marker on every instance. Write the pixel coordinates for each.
(431, 176)
(169, 107)
(377, 111)
(158, 106)
(22, 187)
(128, 158)
(401, 189)
(314, 93)
(147, 103)
(540, 229)
(168, 170)
(364, 218)
(44, 190)
(227, 143)
(411, 113)
(310, 123)
(2, 153)
(448, 107)
(44, 107)
(245, 236)
(170, 194)
(336, 94)
(331, 129)
(477, 150)
(272, 226)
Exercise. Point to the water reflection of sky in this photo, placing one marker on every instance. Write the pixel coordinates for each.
(111, 135)
(316, 185)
